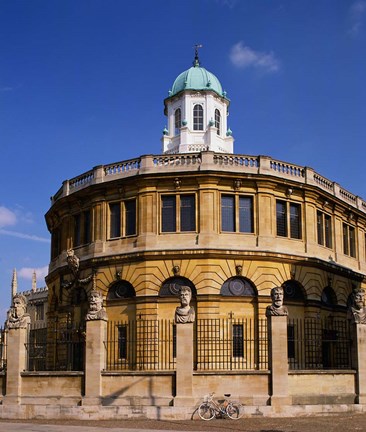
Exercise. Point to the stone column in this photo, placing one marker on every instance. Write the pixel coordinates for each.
(96, 331)
(16, 363)
(184, 365)
(278, 362)
(359, 355)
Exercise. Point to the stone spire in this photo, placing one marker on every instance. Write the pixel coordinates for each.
(14, 285)
(34, 281)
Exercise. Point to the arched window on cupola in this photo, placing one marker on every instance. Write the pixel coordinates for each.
(218, 121)
(177, 121)
(198, 117)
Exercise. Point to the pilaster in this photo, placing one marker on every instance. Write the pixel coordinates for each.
(184, 365)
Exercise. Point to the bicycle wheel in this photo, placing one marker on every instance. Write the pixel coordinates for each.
(234, 411)
(205, 411)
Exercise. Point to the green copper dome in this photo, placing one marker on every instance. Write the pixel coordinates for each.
(197, 78)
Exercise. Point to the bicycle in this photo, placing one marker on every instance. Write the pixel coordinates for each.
(211, 408)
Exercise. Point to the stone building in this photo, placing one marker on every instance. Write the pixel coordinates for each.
(231, 227)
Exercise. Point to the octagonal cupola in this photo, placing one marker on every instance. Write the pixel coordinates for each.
(196, 110)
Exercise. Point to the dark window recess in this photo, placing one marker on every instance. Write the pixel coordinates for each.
(187, 213)
(122, 341)
(238, 340)
(228, 213)
(130, 215)
(115, 220)
(168, 213)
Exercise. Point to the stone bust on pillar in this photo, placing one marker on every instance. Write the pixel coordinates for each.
(184, 313)
(357, 311)
(96, 310)
(276, 308)
(17, 316)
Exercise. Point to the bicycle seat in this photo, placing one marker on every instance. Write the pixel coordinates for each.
(227, 394)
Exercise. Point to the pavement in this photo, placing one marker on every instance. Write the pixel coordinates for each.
(348, 422)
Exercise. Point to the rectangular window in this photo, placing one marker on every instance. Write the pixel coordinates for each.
(187, 213)
(324, 229)
(77, 230)
(114, 220)
(237, 213)
(291, 341)
(169, 222)
(122, 218)
(122, 342)
(178, 213)
(281, 218)
(86, 227)
(228, 213)
(246, 214)
(288, 215)
(130, 217)
(40, 312)
(82, 228)
(56, 243)
(349, 240)
(238, 340)
(295, 221)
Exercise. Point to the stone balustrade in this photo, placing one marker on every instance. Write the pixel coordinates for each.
(210, 161)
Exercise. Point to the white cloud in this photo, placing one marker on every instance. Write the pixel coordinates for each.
(7, 217)
(24, 236)
(357, 16)
(27, 273)
(243, 57)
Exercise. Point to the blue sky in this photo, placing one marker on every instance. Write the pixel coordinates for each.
(82, 83)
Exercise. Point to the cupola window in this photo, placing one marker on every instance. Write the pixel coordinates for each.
(177, 121)
(197, 117)
(218, 121)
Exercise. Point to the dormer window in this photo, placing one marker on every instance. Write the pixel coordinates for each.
(177, 121)
(198, 117)
(217, 121)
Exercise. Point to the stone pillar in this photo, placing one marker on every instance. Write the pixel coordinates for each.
(16, 363)
(95, 353)
(278, 362)
(359, 330)
(184, 365)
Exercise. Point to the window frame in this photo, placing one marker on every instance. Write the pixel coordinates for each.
(177, 121)
(324, 229)
(198, 115)
(177, 213)
(238, 219)
(349, 240)
(289, 223)
(122, 224)
(82, 228)
(218, 121)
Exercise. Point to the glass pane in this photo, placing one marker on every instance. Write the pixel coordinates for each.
(77, 230)
(319, 223)
(295, 221)
(187, 213)
(238, 343)
(281, 218)
(168, 222)
(197, 117)
(352, 242)
(217, 121)
(177, 121)
(328, 231)
(345, 239)
(86, 227)
(130, 217)
(228, 213)
(115, 220)
(246, 214)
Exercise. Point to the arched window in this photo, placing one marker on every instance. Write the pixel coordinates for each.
(293, 291)
(329, 297)
(171, 286)
(238, 286)
(218, 121)
(177, 121)
(197, 117)
(121, 290)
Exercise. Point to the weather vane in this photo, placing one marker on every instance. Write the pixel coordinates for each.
(196, 59)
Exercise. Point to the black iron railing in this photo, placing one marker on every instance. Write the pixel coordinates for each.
(319, 343)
